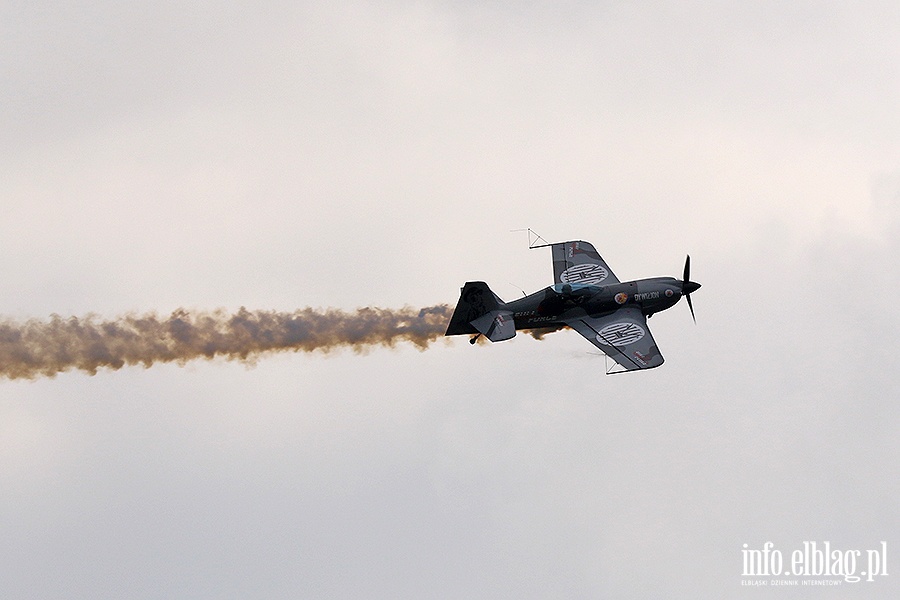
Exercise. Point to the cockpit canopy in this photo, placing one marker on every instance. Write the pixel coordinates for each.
(576, 289)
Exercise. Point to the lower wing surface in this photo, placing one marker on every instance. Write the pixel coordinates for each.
(623, 336)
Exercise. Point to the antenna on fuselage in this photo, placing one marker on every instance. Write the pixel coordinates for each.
(518, 288)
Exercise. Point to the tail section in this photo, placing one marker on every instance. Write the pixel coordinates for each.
(480, 311)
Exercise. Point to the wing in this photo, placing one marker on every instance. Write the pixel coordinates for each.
(623, 335)
(578, 262)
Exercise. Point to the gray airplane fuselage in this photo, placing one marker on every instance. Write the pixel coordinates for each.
(552, 305)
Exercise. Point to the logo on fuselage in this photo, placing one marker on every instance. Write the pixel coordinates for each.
(584, 273)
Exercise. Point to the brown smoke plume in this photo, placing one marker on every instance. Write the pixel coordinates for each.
(44, 348)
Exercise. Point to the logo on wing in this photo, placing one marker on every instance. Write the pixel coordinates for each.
(584, 273)
(620, 334)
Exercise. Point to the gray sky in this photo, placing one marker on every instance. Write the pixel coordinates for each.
(232, 155)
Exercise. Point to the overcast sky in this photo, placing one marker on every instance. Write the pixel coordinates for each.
(378, 154)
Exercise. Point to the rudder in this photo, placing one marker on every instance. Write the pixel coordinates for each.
(480, 310)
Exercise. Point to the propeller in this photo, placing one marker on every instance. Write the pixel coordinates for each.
(688, 287)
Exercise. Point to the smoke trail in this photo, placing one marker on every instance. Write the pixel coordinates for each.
(44, 348)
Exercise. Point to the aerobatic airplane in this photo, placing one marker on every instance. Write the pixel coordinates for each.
(587, 297)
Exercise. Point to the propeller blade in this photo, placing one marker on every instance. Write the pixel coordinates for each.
(688, 286)
(691, 306)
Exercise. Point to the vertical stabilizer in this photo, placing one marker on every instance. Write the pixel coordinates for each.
(480, 310)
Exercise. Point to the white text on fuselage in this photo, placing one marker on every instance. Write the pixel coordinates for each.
(646, 296)
(531, 316)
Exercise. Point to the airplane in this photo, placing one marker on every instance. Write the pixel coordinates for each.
(587, 297)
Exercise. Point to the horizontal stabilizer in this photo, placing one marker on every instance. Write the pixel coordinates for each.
(497, 325)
